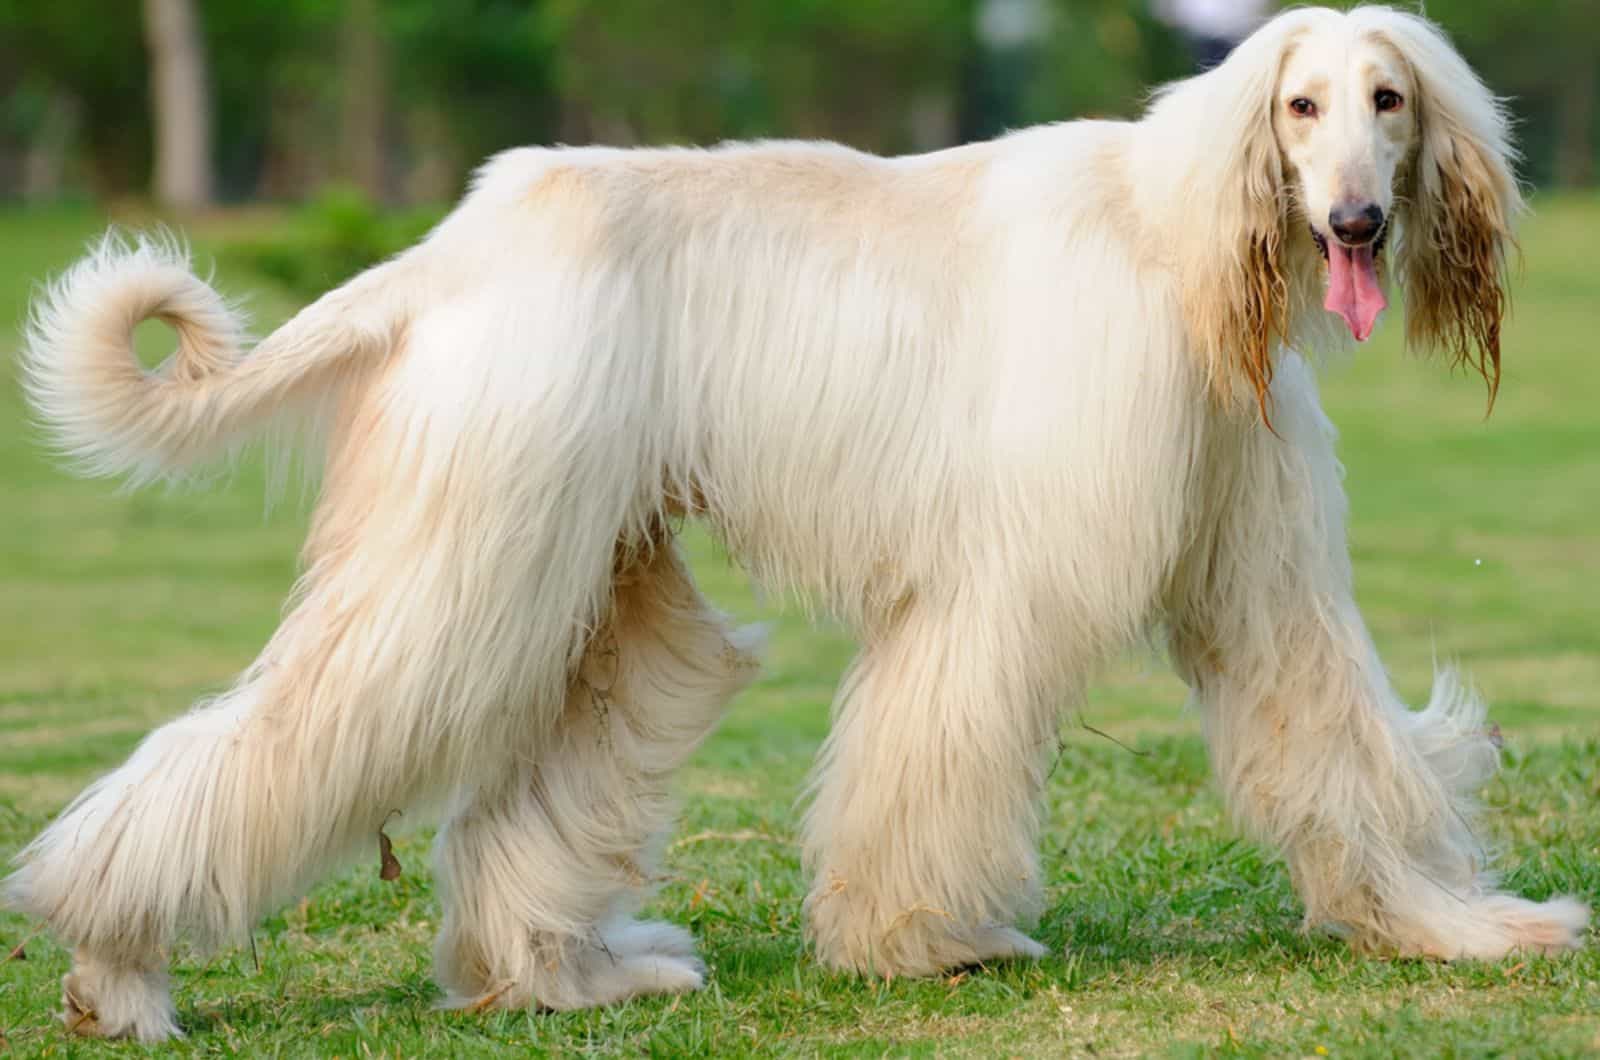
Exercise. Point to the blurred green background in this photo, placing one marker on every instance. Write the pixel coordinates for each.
(398, 99)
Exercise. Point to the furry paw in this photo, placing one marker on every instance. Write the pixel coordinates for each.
(634, 938)
(1516, 925)
(640, 957)
(611, 981)
(922, 943)
(999, 943)
(101, 1000)
(623, 959)
(1487, 928)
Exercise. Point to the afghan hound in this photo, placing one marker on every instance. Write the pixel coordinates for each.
(1003, 409)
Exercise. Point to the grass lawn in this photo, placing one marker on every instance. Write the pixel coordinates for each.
(1474, 540)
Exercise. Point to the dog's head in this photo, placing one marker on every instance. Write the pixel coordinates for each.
(1361, 144)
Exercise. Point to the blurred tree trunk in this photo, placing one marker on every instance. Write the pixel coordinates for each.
(180, 104)
(298, 156)
(362, 98)
(1575, 143)
(44, 162)
(435, 166)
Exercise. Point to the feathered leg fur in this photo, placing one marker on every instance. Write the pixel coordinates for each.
(542, 868)
(1370, 802)
(921, 835)
(409, 663)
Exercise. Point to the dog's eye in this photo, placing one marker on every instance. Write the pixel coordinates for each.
(1387, 99)
(1303, 106)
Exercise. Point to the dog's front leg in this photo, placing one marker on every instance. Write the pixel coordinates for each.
(1369, 801)
(921, 838)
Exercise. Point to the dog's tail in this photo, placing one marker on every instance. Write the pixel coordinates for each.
(114, 417)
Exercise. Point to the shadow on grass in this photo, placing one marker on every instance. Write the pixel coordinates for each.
(254, 1003)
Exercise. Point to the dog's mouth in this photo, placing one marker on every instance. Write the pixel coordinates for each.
(1354, 292)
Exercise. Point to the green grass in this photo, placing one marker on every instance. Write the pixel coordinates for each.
(1473, 540)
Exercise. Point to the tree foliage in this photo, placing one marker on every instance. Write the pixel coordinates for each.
(92, 52)
(852, 69)
(462, 78)
(1545, 56)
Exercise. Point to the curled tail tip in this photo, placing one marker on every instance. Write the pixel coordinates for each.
(109, 416)
(100, 409)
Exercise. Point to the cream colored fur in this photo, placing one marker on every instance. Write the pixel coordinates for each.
(993, 406)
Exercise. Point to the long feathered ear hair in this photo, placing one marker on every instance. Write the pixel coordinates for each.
(1458, 198)
(1234, 205)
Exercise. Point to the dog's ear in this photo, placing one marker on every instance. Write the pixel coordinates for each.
(1459, 197)
(1234, 291)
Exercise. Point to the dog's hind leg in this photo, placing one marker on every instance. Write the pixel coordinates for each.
(1370, 802)
(404, 668)
(191, 837)
(542, 868)
(921, 835)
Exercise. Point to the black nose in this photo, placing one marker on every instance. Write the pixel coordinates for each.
(1354, 223)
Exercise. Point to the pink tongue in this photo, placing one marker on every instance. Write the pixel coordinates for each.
(1353, 290)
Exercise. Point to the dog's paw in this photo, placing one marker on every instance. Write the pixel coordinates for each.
(640, 957)
(1488, 928)
(1516, 925)
(623, 959)
(100, 1001)
(997, 942)
(915, 947)
(613, 980)
(634, 938)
